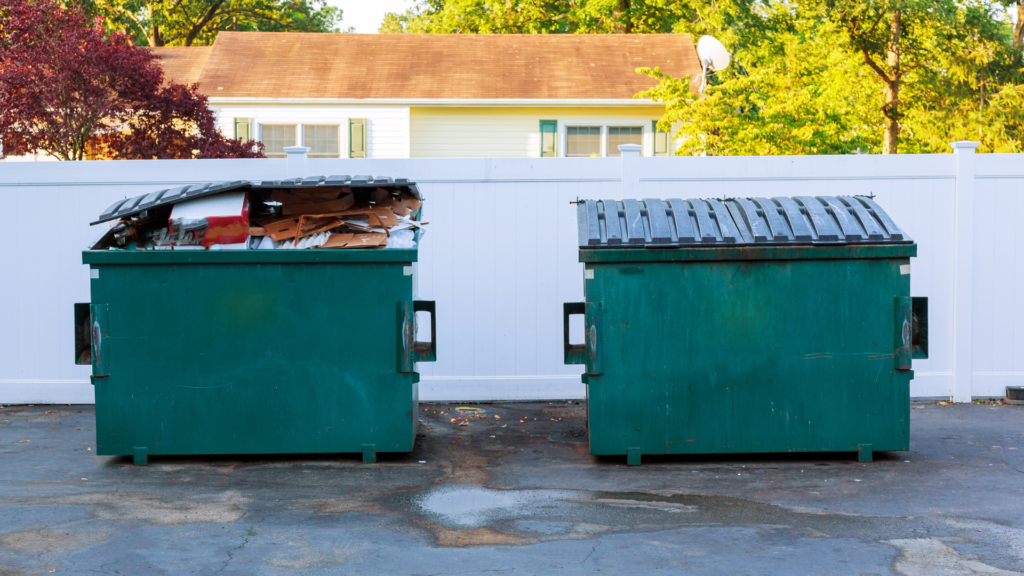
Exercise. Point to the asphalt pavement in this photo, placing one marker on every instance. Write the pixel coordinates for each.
(515, 491)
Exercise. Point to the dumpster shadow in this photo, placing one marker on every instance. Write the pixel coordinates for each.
(816, 458)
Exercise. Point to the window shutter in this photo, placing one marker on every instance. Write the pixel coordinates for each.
(357, 138)
(661, 139)
(548, 138)
(243, 129)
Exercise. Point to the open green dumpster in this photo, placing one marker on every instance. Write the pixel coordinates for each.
(746, 325)
(200, 350)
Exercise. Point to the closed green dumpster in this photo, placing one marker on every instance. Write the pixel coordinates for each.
(253, 351)
(746, 325)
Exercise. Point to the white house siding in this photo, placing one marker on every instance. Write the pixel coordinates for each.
(459, 132)
(387, 127)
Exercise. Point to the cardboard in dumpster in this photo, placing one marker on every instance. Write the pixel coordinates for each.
(320, 212)
(343, 203)
(371, 240)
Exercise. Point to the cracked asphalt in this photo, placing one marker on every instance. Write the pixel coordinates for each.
(515, 491)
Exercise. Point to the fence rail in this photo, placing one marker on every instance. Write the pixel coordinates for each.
(500, 255)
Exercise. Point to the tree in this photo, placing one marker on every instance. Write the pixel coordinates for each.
(836, 77)
(66, 87)
(790, 90)
(174, 122)
(196, 22)
(537, 17)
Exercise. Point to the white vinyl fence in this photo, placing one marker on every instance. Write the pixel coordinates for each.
(500, 256)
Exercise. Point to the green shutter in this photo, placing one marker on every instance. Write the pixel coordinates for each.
(243, 129)
(660, 140)
(357, 138)
(548, 138)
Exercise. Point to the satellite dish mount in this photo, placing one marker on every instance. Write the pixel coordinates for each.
(713, 56)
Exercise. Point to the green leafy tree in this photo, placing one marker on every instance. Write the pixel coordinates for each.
(196, 22)
(834, 77)
(936, 44)
(789, 91)
(538, 17)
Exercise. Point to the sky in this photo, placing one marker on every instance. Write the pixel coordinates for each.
(366, 15)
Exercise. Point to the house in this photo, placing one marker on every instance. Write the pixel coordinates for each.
(411, 95)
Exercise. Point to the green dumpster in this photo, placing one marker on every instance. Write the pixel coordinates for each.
(746, 325)
(251, 351)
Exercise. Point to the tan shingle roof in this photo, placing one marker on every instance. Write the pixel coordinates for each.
(183, 64)
(434, 66)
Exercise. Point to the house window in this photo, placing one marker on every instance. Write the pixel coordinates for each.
(548, 138)
(322, 141)
(623, 135)
(276, 137)
(583, 141)
(661, 140)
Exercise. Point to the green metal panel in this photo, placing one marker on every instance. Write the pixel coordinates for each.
(742, 355)
(245, 352)
(548, 138)
(357, 138)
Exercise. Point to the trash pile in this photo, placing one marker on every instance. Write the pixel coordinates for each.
(321, 212)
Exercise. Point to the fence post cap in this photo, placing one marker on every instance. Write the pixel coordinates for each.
(964, 145)
(297, 150)
(630, 149)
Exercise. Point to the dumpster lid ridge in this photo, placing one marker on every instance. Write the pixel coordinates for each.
(735, 222)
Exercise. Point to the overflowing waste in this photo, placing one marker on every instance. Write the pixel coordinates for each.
(320, 212)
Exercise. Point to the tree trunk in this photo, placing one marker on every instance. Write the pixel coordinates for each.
(621, 15)
(1018, 28)
(891, 136)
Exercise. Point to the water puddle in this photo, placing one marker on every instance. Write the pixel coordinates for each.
(471, 506)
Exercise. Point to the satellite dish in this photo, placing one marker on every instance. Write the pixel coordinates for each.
(713, 56)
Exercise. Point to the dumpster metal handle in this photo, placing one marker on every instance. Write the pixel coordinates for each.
(411, 351)
(574, 353)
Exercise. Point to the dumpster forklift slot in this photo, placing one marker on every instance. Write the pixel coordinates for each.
(83, 334)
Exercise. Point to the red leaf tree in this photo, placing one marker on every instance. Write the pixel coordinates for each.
(66, 88)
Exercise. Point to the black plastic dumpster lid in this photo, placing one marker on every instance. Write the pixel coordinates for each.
(655, 223)
(131, 206)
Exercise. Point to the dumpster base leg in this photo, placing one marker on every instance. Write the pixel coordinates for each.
(864, 452)
(369, 452)
(140, 456)
(633, 456)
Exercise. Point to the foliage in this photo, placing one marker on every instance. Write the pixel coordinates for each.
(174, 122)
(197, 22)
(791, 92)
(65, 84)
(820, 78)
(537, 17)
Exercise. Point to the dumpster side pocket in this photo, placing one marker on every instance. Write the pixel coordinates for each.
(83, 334)
(590, 352)
(409, 350)
(574, 353)
(919, 338)
(903, 327)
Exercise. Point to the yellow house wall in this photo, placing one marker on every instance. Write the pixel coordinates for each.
(508, 132)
